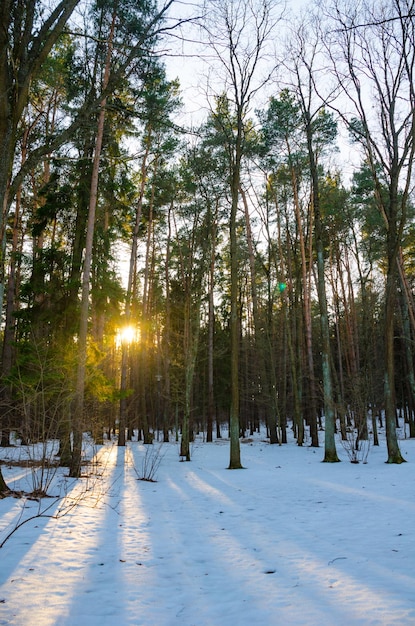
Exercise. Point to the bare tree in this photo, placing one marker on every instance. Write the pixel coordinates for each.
(372, 49)
(238, 34)
(320, 131)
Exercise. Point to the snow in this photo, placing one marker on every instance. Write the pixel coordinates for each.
(287, 541)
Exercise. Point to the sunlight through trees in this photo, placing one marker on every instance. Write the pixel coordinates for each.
(271, 280)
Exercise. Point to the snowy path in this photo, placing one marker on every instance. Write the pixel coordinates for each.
(289, 541)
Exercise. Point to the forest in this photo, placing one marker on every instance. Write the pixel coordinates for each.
(162, 278)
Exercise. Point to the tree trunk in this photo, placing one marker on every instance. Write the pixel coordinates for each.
(234, 426)
(3, 486)
(211, 330)
(123, 390)
(394, 454)
(167, 333)
(330, 453)
(77, 416)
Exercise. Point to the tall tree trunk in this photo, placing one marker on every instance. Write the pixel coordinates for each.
(234, 426)
(145, 317)
(394, 454)
(78, 405)
(330, 453)
(191, 284)
(190, 350)
(211, 332)
(167, 331)
(9, 326)
(244, 29)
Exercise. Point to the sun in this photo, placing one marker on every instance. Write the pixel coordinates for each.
(126, 335)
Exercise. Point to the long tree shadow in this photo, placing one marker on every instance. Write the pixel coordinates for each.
(116, 560)
(279, 568)
(64, 544)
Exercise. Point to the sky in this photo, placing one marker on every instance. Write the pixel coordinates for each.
(287, 541)
(198, 75)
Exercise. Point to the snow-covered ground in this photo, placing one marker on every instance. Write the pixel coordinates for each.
(287, 541)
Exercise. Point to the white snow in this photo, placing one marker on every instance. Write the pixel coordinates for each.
(287, 541)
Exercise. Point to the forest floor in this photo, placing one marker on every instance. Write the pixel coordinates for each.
(287, 541)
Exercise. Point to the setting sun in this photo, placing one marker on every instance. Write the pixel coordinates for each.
(126, 335)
